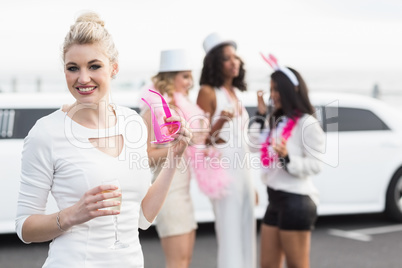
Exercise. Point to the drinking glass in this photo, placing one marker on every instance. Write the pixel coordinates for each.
(117, 243)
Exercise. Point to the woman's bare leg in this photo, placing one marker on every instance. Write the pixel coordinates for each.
(296, 245)
(271, 253)
(178, 250)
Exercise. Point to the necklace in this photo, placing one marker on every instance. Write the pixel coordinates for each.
(268, 157)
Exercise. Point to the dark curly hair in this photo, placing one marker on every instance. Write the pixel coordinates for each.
(212, 71)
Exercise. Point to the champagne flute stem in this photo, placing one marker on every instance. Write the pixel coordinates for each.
(115, 228)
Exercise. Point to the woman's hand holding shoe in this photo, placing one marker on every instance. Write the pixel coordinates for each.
(182, 138)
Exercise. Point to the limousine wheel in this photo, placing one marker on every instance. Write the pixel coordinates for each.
(394, 197)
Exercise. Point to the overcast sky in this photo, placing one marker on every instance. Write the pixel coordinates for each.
(310, 35)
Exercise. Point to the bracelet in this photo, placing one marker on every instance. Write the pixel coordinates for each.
(58, 222)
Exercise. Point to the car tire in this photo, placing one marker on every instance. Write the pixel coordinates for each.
(393, 208)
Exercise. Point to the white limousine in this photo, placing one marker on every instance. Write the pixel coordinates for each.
(362, 162)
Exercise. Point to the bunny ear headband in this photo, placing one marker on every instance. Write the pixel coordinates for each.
(273, 62)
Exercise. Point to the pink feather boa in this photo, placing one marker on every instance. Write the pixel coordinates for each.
(268, 157)
(206, 164)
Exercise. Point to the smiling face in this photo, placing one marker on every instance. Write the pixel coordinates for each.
(183, 81)
(88, 73)
(276, 98)
(231, 62)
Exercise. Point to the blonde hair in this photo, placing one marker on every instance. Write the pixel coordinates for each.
(89, 29)
(164, 82)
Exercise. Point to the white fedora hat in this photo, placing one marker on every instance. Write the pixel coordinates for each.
(214, 39)
(174, 60)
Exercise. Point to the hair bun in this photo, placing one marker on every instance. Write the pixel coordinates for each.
(89, 28)
(90, 17)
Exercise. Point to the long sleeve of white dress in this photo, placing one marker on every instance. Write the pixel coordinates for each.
(36, 177)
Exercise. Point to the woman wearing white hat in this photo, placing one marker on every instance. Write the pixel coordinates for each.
(222, 79)
(175, 223)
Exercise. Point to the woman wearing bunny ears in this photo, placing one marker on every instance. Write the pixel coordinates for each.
(222, 80)
(289, 156)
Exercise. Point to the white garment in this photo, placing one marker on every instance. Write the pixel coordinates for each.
(305, 146)
(235, 223)
(58, 158)
(176, 216)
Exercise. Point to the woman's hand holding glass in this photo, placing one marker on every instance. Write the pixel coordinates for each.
(227, 114)
(93, 204)
(262, 107)
(103, 200)
(116, 205)
(280, 147)
(200, 131)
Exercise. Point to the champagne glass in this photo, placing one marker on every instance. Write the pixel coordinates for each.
(230, 109)
(117, 243)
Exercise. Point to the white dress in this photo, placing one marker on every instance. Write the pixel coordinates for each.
(58, 158)
(235, 223)
(176, 216)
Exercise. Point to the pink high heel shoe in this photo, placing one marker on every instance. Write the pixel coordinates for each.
(163, 132)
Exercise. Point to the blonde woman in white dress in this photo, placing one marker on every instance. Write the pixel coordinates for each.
(71, 151)
(175, 224)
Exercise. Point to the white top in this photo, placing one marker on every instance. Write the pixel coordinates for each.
(58, 158)
(305, 146)
(233, 130)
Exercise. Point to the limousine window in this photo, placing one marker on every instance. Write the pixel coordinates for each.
(16, 123)
(251, 110)
(352, 119)
(319, 115)
(7, 123)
